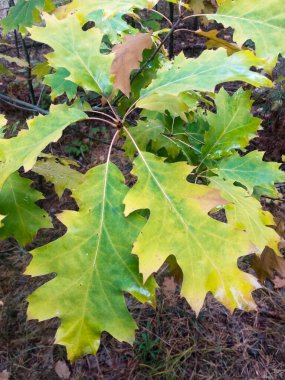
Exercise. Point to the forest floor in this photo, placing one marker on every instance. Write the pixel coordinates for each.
(171, 342)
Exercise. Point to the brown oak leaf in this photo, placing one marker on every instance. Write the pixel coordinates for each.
(269, 266)
(128, 56)
(62, 370)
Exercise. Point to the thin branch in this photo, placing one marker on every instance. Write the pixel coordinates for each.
(111, 146)
(192, 16)
(27, 56)
(41, 95)
(104, 114)
(29, 70)
(171, 38)
(103, 121)
(162, 15)
(16, 43)
(16, 106)
(17, 103)
(117, 117)
(185, 30)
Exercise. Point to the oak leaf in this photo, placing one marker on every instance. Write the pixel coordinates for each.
(127, 58)
(94, 267)
(259, 20)
(23, 217)
(24, 149)
(179, 225)
(204, 73)
(269, 266)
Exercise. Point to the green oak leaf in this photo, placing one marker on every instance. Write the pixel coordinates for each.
(252, 172)
(110, 8)
(3, 121)
(196, 131)
(59, 85)
(24, 14)
(94, 266)
(24, 149)
(176, 105)
(23, 217)
(113, 27)
(145, 131)
(3, 126)
(179, 225)
(204, 73)
(154, 132)
(258, 20)
(41, 69)
(77, 51)
(59, 173)
(5, 71)
(232, 126)
(245, 213)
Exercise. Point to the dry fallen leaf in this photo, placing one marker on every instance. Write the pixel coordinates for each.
(215, 42)
(269, 266)
(128, 58)
(4, 375)
(62, 370)
(279, 282)
(168, 289)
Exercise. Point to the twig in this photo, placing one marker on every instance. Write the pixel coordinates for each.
(103, 121)
(27, 56)
(171, 39)
(19, 103)
(29, 71)
(16, 106)
(41, 95)
(104, 114)
(17, 43)
(163, 16)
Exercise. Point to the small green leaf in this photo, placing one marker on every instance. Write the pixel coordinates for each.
(176, 105)
(113, 27)
(251, 171)
(23, 217)
(144, 132)
(232, 126)
(59, 85)
(40, 70)
(4, 70)
(59, 173)
(24, 14)
(245, 213)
